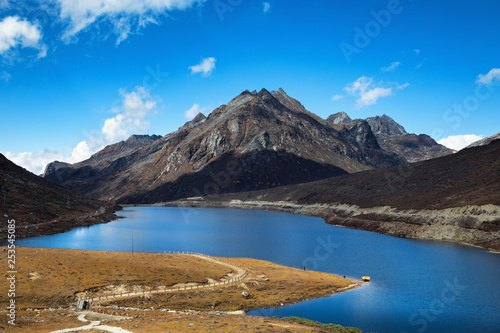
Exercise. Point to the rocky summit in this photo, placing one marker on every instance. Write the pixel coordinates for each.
(392, 137)
(257, 141)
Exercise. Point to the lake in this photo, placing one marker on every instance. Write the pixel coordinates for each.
(416, 286)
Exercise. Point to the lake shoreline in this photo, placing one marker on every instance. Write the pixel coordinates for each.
(418, 270)
(383, 220)
(96, 274)
(60, 224)
(459, 225)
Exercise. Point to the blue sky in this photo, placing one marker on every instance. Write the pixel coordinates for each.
(75, 76)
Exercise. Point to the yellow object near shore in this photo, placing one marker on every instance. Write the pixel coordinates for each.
(365, 278)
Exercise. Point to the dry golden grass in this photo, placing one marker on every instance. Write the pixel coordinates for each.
(285, 286)
(48, 321)
(211, 323)
(55, 277)
(40, 321)
(52, 277)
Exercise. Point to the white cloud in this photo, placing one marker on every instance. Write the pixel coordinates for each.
(206, 67)
(368, 92)
(15, 32)
(337, 97)
(416, 51)
(5, 76)
(130, 119)
(487, 79)
(266, 7)
(402, 86)
(123, 15)
(85, 149)
(458, 142)
(34, 162)
(371, 97)
(392, 67)
(360, 85)
(194, 110)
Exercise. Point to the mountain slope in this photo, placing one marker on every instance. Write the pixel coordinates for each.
(469, 177)
(453, 198)
(41, 207)
(257, 141)
(392, 137)
(107, 154)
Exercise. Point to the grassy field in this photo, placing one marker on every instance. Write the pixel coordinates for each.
(48, 321)
(54, 278)
(268, 284)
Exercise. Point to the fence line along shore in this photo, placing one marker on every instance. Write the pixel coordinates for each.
(89, 303)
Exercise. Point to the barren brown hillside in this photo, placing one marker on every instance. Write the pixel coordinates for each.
(469, 177)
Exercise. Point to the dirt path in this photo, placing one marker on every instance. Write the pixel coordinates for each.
(94, 325)
(240, 275)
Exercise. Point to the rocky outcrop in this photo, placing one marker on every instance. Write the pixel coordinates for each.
(385, 125)
(197, 120)
(339, 118)
(122, 148)
(392, 137)
(54, 166)
(413, 147)
(105, 155)
(256, 141)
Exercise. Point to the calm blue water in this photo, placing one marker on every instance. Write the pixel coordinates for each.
(416, 286)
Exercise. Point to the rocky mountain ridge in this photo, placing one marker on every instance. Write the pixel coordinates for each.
(258, 140)
(392, 137)
(108, 153)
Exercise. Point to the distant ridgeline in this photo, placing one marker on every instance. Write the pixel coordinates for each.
(258, 140)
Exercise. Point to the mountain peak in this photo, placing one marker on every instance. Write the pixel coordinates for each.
(270, 136)
(197, 120)
(385, 125)
(392, 137)
(265, 94)
(290, 102)
(138, 139)
(54, 166)
(339, 118)
(242, 98)
(246, 96)
(199, 117)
